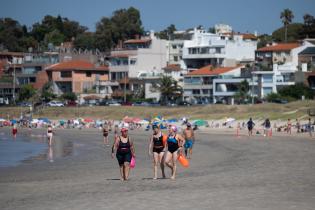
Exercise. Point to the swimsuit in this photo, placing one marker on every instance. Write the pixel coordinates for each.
(172, 144)
(158, 146)
(14, 131)
(123, 153)
(188, 144)
(105, 133)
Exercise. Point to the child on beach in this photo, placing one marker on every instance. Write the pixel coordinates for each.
(156, 146)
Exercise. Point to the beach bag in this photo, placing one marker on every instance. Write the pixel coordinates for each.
(164, 139)
(183, 161)
(133, 162)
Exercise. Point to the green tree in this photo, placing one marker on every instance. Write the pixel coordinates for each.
(167, 33)
(26, 92)
(69, 96)
(263, 40)
(308, 27)
(11, 32)
(85, 41)
(286, 16)
(47, 92)
(242, 93)
(54, 37)
(296, 91)
(124, 24)
(293, 33)
(169, 88)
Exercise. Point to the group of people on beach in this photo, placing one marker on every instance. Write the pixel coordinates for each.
(267, 129)
(164, 149)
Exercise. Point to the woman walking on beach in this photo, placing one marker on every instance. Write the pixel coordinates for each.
(175, 144)
(105, 134)
(250, 126)
(267, 127)
(125, 150)
(49, 135)
(157, 147)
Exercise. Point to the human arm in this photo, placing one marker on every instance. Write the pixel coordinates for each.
(150, 146)
(132, 148)
(114, 147)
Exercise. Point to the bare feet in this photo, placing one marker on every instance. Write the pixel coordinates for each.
(173, 177)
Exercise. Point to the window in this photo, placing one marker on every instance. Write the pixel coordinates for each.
(267, 78)
(205, 91)
(88, 74)
(133, 61)
(175, 58)
(174, 46)
(196, 91)
(65, 74)
(32, 79)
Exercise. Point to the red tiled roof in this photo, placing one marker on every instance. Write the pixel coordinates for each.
(280, 47)
(209, 70)
(249, 36)
(137, 41)
(76, 65)
(172, 67)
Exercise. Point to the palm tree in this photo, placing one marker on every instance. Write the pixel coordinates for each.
(286, 16)
(243, 89)
(169, 89)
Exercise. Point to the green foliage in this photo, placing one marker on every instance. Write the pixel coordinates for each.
(47, 92)
(296, 91)
(26, 92)
(169, 88)
(69, 96)
(273, 97)
(54, 37)
(293, 34)
(123, 25)
(308, 30)
(263, 40)
(167, 33)
(242, 94)
(286, 17)
(85, 41)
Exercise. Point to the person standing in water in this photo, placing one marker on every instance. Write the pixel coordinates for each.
(189, 140)
(125, 150)
(174, 144)
(157, 147)
(49, 135)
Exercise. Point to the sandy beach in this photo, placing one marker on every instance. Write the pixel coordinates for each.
(226, 172)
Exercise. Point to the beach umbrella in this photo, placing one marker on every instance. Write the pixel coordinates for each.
(45, 120)
(34, 121)
(88, 120)
(13, 121)
(127, 119)
(136, 120)
(229, 121)
(76, 122)
(200, 122)
(2, 120)
(172, 120)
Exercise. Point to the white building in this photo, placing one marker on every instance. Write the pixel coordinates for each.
(175, 52)
(208, 84)
(218, 49)
(279, 65)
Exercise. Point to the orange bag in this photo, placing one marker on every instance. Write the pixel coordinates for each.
(164, 139)
(183, 161)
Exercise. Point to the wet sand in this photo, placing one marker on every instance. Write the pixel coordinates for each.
(225, 173)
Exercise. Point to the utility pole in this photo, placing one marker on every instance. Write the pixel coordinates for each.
(125, 98)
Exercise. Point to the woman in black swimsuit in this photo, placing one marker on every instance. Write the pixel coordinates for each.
(175, 144)
(124, 151)
(105, 134)
(156, 145)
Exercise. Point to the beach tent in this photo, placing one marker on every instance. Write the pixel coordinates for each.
(2, 120)
(45, 120)
(88, 120)
(13, 121)
(200, 123)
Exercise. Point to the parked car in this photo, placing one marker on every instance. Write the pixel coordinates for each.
(279, 101)
(114, 103)
(72, 103)
(55, 104)
(184, 103)
(24, 104)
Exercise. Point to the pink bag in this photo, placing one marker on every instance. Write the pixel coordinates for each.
(133, 162)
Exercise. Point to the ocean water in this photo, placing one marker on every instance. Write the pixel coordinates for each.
(29, 148)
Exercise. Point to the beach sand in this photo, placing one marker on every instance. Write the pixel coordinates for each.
(225, 173)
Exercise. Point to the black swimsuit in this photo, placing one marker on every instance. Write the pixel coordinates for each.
(105, 133)
(158, 146)
(123, 153)
(172, 144)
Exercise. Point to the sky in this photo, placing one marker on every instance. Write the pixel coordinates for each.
(243, 15)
